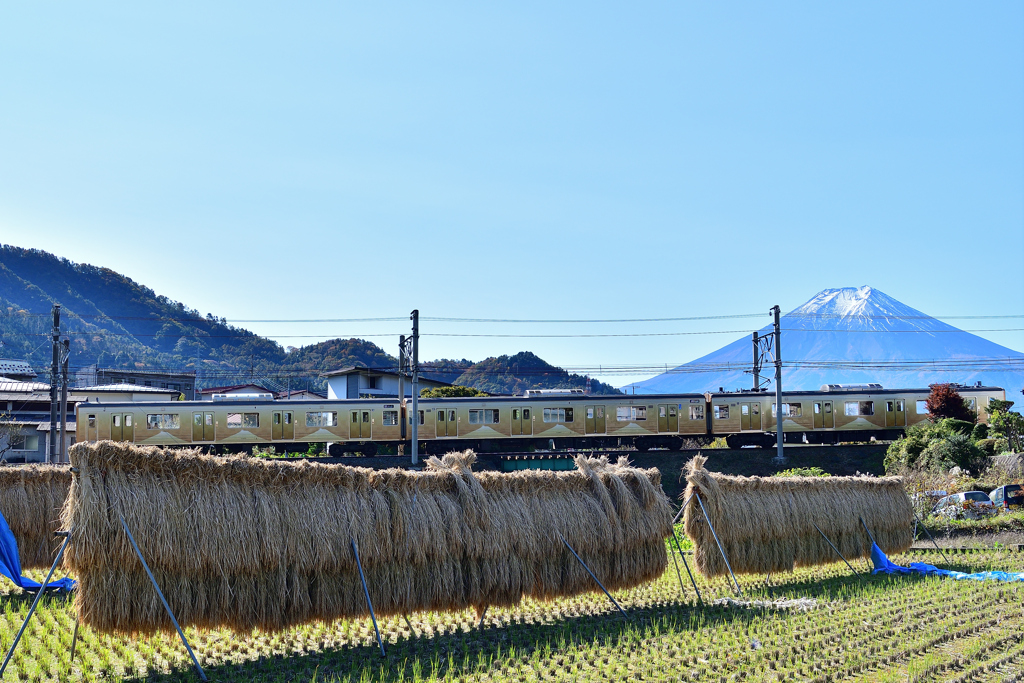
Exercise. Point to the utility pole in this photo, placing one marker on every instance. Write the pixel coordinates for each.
(757, 365)
(66, 354)
(401, 381)
(415, 386)
(778, 383)
(54, 379)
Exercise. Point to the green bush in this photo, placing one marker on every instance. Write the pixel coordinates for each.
(956, 426)
(987, 446)
(954, 450)
(979, 432)
(803, 472)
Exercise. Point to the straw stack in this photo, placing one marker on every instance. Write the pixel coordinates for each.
(31, 498)
(250, 543)
(766, 524)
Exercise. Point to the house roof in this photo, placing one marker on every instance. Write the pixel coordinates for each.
(233, 387)
(123, 387)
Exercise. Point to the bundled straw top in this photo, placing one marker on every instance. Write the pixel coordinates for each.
(248, 543)
(767, 524)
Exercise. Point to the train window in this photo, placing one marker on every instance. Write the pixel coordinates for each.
(116, 421)
(421, 418)
(590, 412)
(790, 410)
(209, 419)
(243, 420)
(234, 421)
(721, 412)
(696, 412)
(900, 405)
(515, 413)
(390, 418)
(855, 408)
(817, 408)
(526, 413)
(163, 422)
(630, 413)
(745, 409)
(487, 416)
(277, 418)
(554, 414)
(324, 419)
(127, 420)
(92, 421)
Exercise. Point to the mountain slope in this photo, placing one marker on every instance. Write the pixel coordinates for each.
(855, 335)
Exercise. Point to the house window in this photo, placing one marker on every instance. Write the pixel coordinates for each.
(390, 418)
(243, 420)
(721, 412)
(371, 382)
(630, 413)
(322, 419)
(855, 408)
(163, 421)
(188, 387)
(696, 412)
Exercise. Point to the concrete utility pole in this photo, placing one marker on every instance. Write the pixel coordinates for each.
(54, 380)
(66, 354)
(415, 386)
(778, 382)
(401, 380)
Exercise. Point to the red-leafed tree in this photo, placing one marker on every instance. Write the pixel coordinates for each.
(946, 401)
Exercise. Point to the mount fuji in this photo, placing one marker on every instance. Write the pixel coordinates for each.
(854, 335)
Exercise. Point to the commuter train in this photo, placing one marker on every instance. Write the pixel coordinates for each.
(544, 419)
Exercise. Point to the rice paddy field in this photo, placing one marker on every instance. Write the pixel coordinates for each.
(816, 624)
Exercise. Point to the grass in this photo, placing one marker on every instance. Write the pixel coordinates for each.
(1004, 521)
(876, 629)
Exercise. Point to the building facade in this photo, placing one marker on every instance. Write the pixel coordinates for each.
(182, 382)
(356, 382)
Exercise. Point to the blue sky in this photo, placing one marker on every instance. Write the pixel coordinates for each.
(346, 160)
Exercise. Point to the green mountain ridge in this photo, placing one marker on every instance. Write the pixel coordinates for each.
(113, 321)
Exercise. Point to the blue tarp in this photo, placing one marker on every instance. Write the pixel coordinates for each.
(884, 566)
(10, 563)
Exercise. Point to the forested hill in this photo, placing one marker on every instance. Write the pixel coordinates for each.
(515, 374)
(114, 321)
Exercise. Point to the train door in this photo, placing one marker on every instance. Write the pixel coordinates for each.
(92, 432)
(901, 412)
(826, 411)
(755, 416)
(283, 427)
(890, 413)
(527, 422)
(202, 426)
(668, 418)
(594, 420)
(127, 428)
(115, 427)
(517, 422)
(359, 424)
(895, 413)
(447, 422)
(819, 418)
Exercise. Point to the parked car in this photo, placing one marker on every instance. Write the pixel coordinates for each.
(1008, 496)
(968, 499)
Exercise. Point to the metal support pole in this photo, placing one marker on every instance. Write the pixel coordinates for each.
(480, 626)
(54, 383)
(401, 384)
(720, 549)
(872, 538)
(833, 545)
(757, 364)
(601, 585)
(74, 640)
(686, 564)
(934, 542)
(779, 419)
(682, 509)
(149, 572)
(35, 603)
(675, 563)
(415, 386)
(409, 624)
(366, 591)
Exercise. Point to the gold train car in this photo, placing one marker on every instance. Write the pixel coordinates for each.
(544, 419)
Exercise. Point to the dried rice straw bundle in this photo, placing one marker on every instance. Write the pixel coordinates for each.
(766, 524)
(31, 499)
(250, 543)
